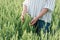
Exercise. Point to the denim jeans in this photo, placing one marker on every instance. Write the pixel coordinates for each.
(40, 24)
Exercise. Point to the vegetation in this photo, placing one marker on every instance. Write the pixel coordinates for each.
(11, 27)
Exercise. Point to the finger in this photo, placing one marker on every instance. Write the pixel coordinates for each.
(22, 18)
(30, 24)
(32, 21)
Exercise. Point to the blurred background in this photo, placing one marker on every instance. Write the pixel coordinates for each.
(11, 27)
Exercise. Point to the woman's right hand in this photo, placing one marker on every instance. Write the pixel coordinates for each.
(24, 11)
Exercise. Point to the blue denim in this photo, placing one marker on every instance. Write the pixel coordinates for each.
(40, 24)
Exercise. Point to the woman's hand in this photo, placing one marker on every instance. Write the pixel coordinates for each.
(34, 20)
(23, 13)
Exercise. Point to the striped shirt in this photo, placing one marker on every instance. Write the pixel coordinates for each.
(34, 7)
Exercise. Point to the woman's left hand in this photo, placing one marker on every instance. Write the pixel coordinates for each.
(34, 20)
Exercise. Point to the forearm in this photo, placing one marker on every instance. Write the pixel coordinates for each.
(43, 12)
(24, 10)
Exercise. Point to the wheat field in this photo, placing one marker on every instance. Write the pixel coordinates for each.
(11, 27)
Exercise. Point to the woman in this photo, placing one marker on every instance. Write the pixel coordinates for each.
(40, 11)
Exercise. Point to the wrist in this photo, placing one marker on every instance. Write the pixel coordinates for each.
(22, 14)
(37, 17)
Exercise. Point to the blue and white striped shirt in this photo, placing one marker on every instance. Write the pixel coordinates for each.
(34, 7)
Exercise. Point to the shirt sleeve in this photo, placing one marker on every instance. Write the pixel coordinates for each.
(50, 4)
(25, 3)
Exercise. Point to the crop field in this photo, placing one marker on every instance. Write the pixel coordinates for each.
(11, 27)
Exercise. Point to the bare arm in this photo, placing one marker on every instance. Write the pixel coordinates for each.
(43, 12)
(24, 10)
(23, 13)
